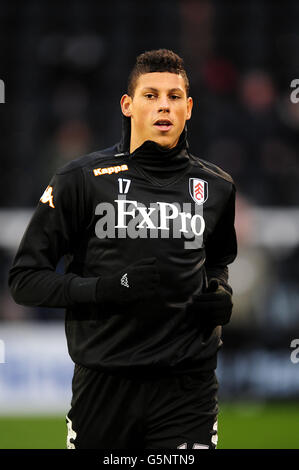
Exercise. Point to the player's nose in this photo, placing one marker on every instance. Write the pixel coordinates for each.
(163, 104)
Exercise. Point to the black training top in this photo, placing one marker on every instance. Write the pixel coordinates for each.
(103, 212)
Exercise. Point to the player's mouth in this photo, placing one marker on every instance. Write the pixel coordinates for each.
(163, 124)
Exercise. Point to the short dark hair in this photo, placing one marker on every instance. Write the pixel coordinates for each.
(159, 60)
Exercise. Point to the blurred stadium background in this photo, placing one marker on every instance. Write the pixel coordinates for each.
(64, 66)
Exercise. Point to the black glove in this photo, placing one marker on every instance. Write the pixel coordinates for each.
(213, 307)
(136, 282)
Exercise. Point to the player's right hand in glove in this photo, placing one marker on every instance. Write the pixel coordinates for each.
(213, 307)
(136, 282)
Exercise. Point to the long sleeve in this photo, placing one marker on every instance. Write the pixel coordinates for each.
(221, 246)
(51, 234)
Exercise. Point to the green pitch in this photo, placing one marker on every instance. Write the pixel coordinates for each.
(247, 426)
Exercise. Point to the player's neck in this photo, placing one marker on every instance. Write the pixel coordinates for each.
(136, 142)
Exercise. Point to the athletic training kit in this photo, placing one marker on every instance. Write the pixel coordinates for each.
(147, 238)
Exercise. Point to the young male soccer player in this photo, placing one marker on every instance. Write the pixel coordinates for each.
(147, 232)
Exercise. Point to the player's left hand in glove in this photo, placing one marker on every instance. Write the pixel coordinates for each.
(213, 307)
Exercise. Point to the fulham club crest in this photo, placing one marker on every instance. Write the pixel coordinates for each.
(198, 190)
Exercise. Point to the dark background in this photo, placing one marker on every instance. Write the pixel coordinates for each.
(65, 66)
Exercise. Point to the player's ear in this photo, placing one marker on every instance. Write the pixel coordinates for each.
(126, 103)
(189, 107)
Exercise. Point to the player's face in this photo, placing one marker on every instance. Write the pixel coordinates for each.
(158, 110)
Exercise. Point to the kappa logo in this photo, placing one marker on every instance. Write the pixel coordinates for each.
(124, 280)
(109, 170)
(198, 190)
(71, 434)
(47, 197)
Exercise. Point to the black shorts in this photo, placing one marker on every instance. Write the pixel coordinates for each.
(112, 412)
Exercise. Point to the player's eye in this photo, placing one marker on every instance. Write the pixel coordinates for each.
(175, 97)
(149, 95)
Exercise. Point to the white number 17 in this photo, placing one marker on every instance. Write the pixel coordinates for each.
(123, 188)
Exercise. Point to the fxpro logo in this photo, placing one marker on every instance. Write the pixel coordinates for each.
(2, 91)
(160, 220)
